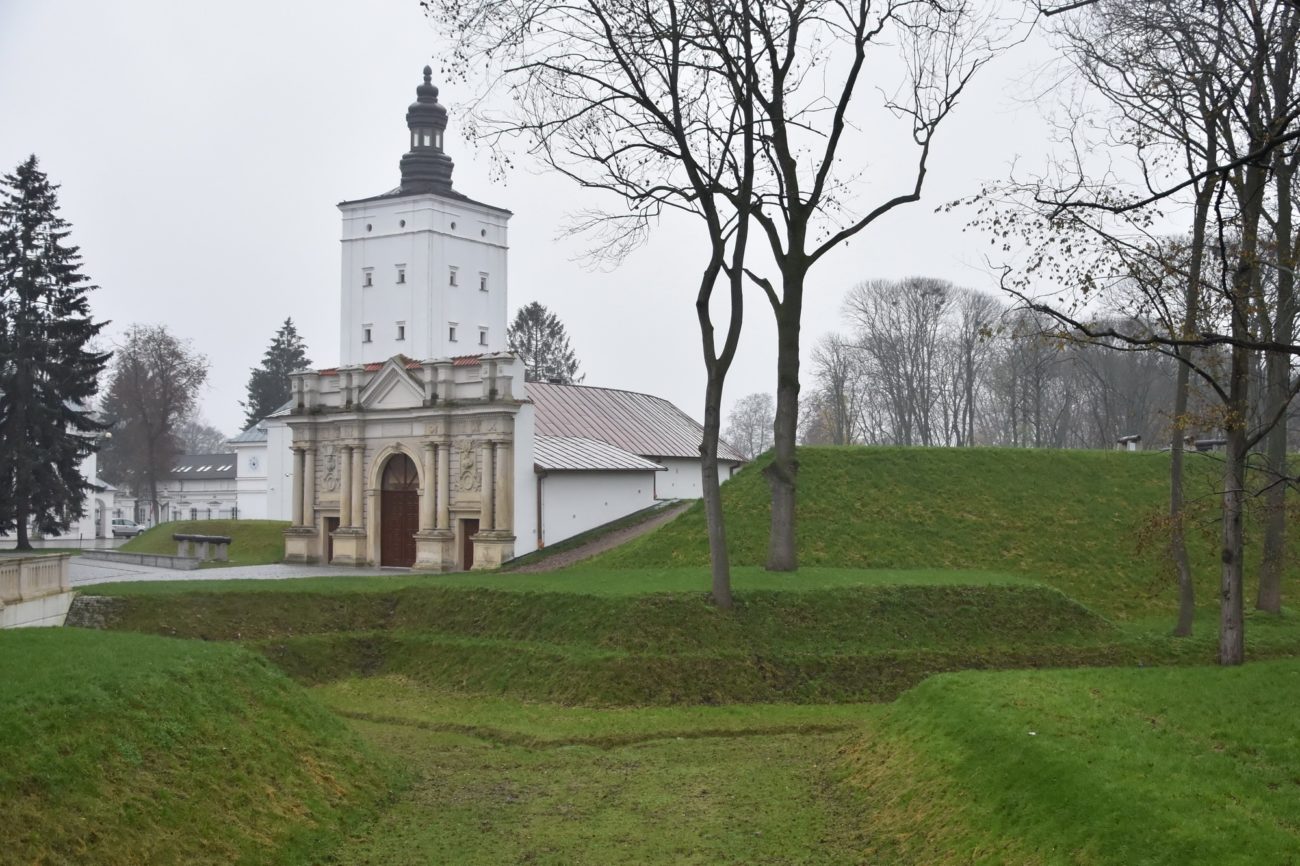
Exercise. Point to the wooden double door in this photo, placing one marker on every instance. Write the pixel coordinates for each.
(399, 512)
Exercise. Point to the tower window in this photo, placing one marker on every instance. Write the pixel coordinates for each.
(401, 275)
(482, 336)
(451, 277)
(482, 282)
(367, 278)
(365, 333)
(451, 332)
(401, 330)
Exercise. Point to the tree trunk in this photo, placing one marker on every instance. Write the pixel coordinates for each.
(1232, 625)
(1278, 368)
(719, 559)
(1177, 528)
(782, 472)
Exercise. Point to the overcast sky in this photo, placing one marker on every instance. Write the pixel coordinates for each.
(202, 148)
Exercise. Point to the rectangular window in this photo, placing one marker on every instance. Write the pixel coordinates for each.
(451, 277)
(401, 275)
(451, 332)
(365, 333)
(401, 330)
(482, 282)
(482, 336)
(367, 278)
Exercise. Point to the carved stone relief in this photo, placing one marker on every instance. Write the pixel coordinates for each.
(329, 462)
(469, 474)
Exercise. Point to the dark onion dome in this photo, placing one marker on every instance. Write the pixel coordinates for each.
(425, 167)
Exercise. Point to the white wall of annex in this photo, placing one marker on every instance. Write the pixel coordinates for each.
(574, 502)
(525, 516)
(250, 483)
(425, 236)
(279, 470)
(682, 480)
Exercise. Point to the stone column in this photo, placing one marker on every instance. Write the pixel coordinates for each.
(444, 485)
(487, 506)
(504, 488)
(298, 461)
(358, 483)
(345, 487)
(430, 488)
(309, 486)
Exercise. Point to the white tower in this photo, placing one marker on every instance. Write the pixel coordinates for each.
(424, 267)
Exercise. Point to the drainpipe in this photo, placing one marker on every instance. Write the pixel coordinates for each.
(541, 542)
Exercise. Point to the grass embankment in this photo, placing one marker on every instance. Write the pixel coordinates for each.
(118, 749)
(836, 635)
(252, 542)
(1127, 767)
(1073, 519)
(539, 558)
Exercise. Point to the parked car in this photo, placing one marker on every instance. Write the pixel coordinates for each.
(126, 528)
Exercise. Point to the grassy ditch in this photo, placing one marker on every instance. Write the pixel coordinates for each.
(124, 749)
(1194, 766)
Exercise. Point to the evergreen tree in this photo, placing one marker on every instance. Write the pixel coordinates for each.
(48, 369)
(538, 338)
(268, 385)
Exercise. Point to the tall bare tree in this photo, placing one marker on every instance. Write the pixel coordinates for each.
(749, 426)
(152, 391)
(654, 103)
(1188, 87)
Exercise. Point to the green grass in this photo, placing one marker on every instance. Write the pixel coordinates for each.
(499, 781)
(578, 581)
(123, 749)
(1074, 519)
(1133, 767)
(253, 542)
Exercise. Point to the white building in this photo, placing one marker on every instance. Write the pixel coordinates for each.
(425, 447)
(198, 487)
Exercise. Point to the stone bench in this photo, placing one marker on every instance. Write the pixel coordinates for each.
(217, 545)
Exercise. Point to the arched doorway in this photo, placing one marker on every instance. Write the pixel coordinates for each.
(399, 512)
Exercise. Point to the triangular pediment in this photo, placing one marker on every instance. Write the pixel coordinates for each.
(393, 387)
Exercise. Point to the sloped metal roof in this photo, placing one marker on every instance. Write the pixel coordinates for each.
(203, 466)
(637, 423)
(559, 453)
(254, 434)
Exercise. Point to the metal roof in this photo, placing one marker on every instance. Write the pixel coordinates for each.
(637, 423)
(254, 434)
(558, 453)
(203, 466)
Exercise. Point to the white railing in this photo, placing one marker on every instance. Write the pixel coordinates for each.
(23, 578)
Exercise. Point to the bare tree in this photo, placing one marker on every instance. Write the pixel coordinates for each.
(1187, 91)
(839, 394)
(749, 426)
(196, 436)
(655, 103)
(152, 390)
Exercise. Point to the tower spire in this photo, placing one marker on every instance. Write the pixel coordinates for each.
(425, 167)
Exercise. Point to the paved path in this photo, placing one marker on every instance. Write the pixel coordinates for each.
(604, 542)
(83, 572)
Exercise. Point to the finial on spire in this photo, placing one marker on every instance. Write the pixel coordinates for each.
(428, 75)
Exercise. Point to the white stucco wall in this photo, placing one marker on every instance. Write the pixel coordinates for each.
(438, 234)
(250, 483)
(574, 502)
(682, 480)
(525, 483)
(279, 470)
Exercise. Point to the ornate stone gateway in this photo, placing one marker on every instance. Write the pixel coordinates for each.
(400, 506)
(405, 463)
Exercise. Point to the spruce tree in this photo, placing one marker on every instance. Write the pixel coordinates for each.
(538, 338)
(49, 372)
(268, 385)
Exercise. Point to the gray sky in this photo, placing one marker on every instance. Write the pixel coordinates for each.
(202, 148)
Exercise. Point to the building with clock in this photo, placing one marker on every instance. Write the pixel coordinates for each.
(424, 446)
